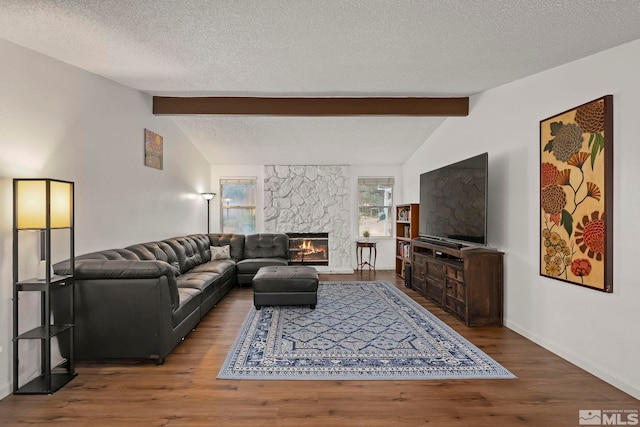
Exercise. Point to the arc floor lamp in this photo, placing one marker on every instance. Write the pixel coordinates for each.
(208, 197)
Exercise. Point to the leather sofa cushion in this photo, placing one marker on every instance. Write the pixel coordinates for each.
(187, 252)
(189, 302)
(202, 245)
(160, 251)
(206, 284)
(219, 266)
(196, 280)
(266, 245)
(251, 266)
(235, 241)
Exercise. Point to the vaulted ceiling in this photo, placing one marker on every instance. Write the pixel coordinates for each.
(316, 48)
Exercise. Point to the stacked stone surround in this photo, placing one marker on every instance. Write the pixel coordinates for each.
(310, 199)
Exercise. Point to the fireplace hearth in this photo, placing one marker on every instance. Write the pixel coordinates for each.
(309, 248)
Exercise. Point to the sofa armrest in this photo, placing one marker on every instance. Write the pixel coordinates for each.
(115, 269)
(123, 318)
(103, 269)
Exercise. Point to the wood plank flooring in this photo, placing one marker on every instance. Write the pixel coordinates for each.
(185, 392)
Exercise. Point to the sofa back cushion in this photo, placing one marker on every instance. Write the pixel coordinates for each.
(266, 245)
(187, 252)
(203, 246)
(160, 251)
(111, 254)
(234, 241)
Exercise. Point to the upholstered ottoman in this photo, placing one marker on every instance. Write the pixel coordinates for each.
(285, 285)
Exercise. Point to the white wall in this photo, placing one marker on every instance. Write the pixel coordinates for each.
(594, 330)
(60, 122)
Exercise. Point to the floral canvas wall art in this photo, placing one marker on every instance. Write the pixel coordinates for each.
(576, 195)
(153, 151)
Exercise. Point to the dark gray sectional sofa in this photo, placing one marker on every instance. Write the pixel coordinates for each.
(141, 301)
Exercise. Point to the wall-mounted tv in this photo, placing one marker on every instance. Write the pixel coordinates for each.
(453, 203)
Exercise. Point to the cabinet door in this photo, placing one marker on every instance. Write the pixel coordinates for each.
(418, 267)
(455, 292)
(434, 276)
(455, 299)
(455, 273)
(434, 270)
(418, 272)
(418, 285)
(435, 290)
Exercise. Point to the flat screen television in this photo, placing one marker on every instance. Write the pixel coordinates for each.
(453, 203)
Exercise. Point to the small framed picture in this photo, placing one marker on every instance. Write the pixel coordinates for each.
(152, 149)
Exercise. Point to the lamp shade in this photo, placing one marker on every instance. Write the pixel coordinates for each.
(37, 198)
(208, 196)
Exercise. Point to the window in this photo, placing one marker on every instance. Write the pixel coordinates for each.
(238, 205)
(375, 206)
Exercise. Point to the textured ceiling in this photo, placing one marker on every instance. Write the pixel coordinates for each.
(316, 48)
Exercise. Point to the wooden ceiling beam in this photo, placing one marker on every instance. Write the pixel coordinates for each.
(329, 106)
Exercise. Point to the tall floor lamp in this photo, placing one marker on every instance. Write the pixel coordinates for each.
(208, 197)
(45, 206)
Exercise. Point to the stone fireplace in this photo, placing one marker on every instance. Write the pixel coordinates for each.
(306, 199)
(309, 248)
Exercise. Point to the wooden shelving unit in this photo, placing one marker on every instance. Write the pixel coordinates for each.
(406, 229)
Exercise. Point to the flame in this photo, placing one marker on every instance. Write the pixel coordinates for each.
(307, 248)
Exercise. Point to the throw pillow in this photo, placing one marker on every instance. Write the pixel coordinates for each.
(220, 252)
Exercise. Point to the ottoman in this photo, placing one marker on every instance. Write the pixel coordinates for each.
(285, 285)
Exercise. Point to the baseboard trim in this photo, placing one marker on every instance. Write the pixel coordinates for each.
(323, 269)
(598, 371)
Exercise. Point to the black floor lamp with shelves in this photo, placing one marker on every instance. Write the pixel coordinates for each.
(43, 206)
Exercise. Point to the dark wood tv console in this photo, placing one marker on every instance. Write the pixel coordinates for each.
(467, 282)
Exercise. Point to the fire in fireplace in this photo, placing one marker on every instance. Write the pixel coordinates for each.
(309, 248)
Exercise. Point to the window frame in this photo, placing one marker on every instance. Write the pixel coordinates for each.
(388, 229)
(224, 208)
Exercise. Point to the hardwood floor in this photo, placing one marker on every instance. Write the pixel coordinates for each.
(185, 392)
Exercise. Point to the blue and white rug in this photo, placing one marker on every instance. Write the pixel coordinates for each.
(358, 331)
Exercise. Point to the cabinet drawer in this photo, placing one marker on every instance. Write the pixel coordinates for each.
(417, 284)
(454, 273)
(455, 289)
(457, 306)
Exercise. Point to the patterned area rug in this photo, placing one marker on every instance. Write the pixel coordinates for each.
(358, 331)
